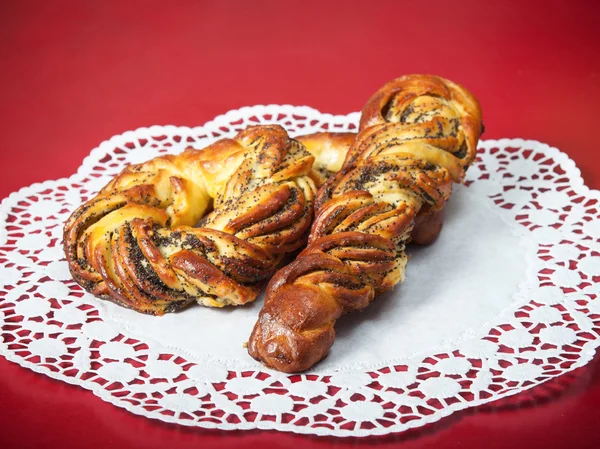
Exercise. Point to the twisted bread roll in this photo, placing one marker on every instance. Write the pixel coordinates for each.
(133, 243)
(417, 135)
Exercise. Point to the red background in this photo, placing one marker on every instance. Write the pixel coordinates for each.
(75, 73)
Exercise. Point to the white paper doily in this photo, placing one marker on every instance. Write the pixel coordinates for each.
(507, 298)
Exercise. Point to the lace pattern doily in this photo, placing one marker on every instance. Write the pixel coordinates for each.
(550, 324)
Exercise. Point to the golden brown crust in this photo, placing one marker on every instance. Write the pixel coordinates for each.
(395, 101)
(134, 242)
(417, 135)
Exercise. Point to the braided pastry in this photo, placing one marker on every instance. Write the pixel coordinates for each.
(133, 243)
(417, 135)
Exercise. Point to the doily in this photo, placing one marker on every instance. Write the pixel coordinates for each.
(506, 299)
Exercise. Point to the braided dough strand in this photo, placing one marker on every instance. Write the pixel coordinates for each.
(418, 134)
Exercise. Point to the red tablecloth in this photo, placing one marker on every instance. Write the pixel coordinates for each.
(75, 73)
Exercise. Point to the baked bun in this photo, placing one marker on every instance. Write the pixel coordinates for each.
(417, 135)
(135, 244)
